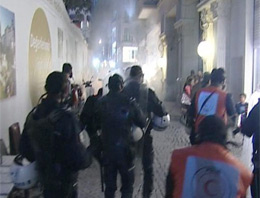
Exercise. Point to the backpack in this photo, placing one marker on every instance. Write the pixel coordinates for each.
(31, 141)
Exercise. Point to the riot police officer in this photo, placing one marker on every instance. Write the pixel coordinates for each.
(149, 103)
(51, 137)
(115, 116)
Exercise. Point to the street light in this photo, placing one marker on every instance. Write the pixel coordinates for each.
(204, 49)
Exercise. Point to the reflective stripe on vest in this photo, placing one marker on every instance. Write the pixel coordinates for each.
(209, 178)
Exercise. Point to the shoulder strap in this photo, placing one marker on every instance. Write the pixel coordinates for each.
(205, 101)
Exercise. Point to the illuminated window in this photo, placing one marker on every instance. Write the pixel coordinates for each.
(129, 54)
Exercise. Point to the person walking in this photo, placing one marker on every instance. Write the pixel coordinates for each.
(149, 103)
(51, 137)
(207, 169)
(115, 115)
(211, 100)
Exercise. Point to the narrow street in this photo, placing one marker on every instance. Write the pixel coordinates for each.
(164, 143)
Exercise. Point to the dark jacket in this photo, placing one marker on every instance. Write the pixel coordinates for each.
(87, 114)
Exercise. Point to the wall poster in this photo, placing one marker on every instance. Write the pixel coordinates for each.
(7, 54)
(40, 59)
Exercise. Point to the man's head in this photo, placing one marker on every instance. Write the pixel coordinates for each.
(212, 129)
(217, 77)
(137, 73)
(115, 83)
(192, 72)
(242, 97)
(56, 84)
(67, 69)
(206, 79)
(200, 73)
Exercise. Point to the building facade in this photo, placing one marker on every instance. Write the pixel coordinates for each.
(166, 36)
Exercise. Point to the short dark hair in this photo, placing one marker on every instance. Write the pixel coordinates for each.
(217, 76)
(135, 71)
(55, 83)
(242, 94)
(206, 78)
(213, 129)
(189, 80)
(66, 68)
(114, 82)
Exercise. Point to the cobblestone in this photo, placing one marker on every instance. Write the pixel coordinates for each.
(164, 143)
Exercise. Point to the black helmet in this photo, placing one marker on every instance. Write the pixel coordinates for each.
(55, 83)
(115, 82)
(136, 70)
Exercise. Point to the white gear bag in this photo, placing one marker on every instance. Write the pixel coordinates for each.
(24, 175)
(137, 133)
(161, 123)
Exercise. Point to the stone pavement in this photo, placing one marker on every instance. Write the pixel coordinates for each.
(164, 143)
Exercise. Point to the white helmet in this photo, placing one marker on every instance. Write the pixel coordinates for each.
(23, 176)
(161, 123)
(137, 133)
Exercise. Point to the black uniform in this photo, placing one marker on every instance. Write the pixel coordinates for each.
(53, 135)
(87, 115)
(149, 103)
(115, 115)
(250, 128)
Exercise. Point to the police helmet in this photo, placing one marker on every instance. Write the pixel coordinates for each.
(137, 133)
(161, 123)
(56, 83)
(24, 176)
(115, 82)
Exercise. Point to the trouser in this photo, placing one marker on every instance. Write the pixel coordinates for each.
(147, 161)
(193, 136)
(63, 190)
(255, 188)
(124, 165)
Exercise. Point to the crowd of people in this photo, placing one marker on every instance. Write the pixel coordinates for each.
(205, 169)
(211, 98)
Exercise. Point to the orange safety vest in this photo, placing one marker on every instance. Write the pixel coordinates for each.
(216, 104)
(208, 151)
